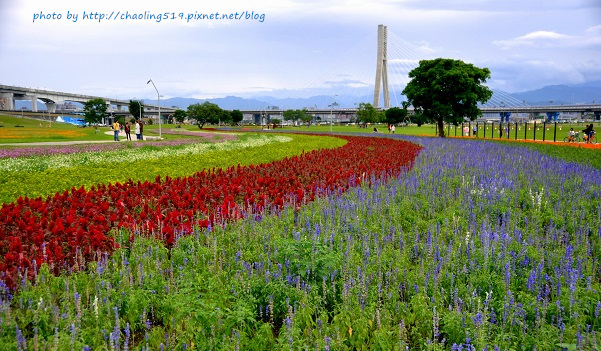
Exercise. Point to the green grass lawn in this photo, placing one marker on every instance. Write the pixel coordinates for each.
(27, 130)
(323, 128)
(15, 130)
(546, 132)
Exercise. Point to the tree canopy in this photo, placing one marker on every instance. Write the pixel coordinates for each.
(237, 116)
(447, 90)
(136, 108)
(94, 111)
(367, 113)
(204, 113)
(179, 116)
(225, 117)
(395, 115)
(296, 115)
(305, 117)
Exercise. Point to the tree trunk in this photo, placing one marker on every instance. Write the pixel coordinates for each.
(441, 128)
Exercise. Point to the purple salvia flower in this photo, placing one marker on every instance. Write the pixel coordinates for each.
(327, 340)
(127, 335)
(21, 342)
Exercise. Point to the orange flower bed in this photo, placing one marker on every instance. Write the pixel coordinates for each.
(23, 133)
(557, 143)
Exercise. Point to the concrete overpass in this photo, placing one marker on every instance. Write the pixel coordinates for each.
(9, 94)
(344, 114)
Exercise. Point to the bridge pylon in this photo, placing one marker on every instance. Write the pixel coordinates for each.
(382, 68)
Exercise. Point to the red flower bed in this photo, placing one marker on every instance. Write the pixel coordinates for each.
(67, 229)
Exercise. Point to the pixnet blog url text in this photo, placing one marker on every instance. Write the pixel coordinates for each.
(148, 16)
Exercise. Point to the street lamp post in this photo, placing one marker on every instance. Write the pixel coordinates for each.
(159, 102)
(331, 111)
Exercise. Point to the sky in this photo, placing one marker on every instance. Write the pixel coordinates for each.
(289, 48)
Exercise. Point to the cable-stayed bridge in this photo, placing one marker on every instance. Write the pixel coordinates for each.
(395, 58)
(376, 69)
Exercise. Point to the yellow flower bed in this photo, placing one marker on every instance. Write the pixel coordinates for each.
(44, 132)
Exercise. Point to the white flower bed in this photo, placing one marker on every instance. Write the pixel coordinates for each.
(40, 163)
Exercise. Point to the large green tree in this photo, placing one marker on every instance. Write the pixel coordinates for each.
(179, 116)
(367, 113)
(447, 90)
(237, 116)
(290, 115)
(204, 113)
(94, 111)
(136, 108)
(305, 117)
(296, 115)
(225, 117)
(395, 115)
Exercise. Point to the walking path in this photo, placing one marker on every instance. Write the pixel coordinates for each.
(583, 145)
(75, 142)
(122, 137)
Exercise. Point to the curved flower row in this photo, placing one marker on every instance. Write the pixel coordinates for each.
(127, 155)
(68, 229)
(18, 151)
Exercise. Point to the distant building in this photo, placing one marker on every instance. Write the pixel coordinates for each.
(67, 107)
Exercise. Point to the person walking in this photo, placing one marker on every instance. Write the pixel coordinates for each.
(588, 132)
(137, 130)
(116, 127)
(127, 131)
(141, 130)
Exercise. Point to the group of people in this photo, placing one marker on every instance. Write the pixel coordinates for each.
(138, 130)
(391, 129)
(588, 133)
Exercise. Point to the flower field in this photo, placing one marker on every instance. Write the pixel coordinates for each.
(47, 170)
(476, 247)
(25, 133)
(51, 230)
(101, 147)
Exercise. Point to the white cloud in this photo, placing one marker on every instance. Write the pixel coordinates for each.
(542, 34)
(518, 74)
(536, 39)
(594, 30)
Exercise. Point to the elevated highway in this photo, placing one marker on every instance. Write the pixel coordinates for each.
(9, 94)
(345, 114)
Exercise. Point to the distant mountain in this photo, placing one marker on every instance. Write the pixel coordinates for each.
(226, 103)
(553, 94)
(562, 94)
(268, 102)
